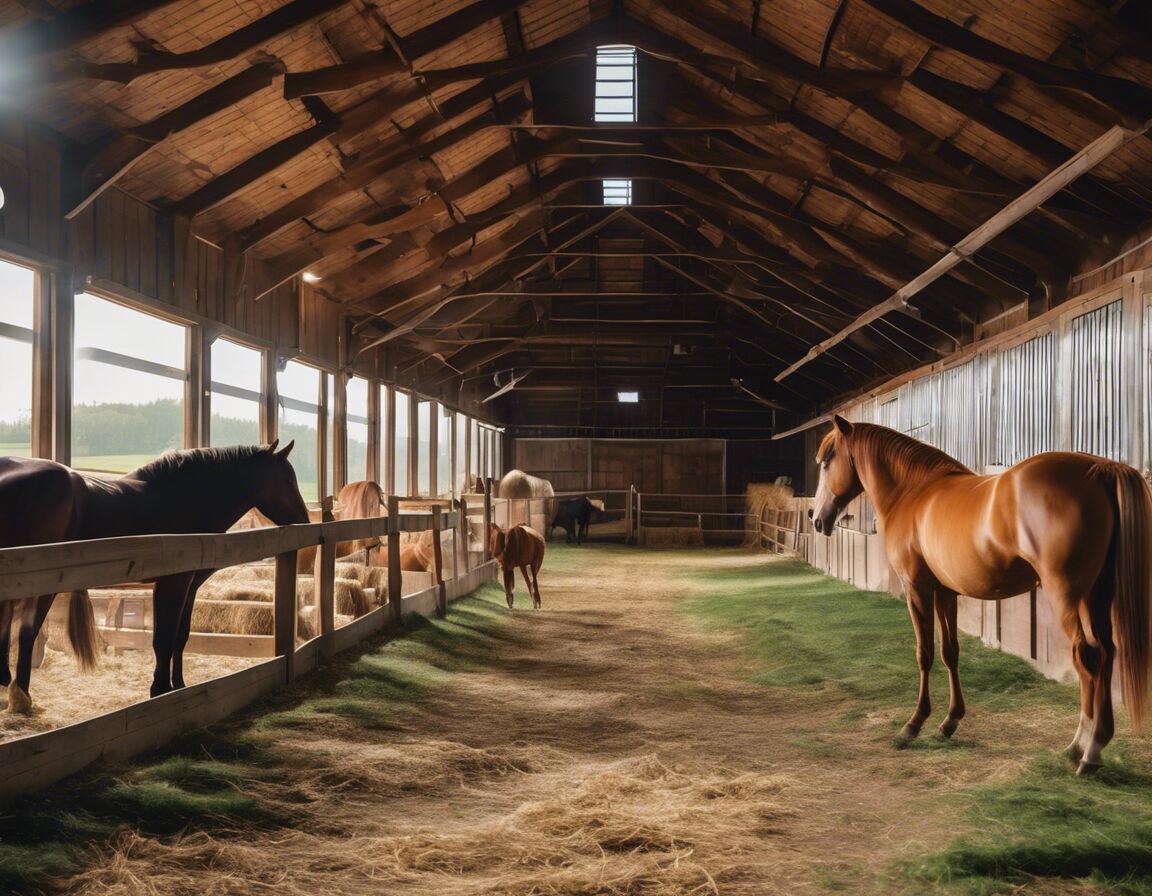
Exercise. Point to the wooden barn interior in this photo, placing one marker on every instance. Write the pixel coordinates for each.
(642, 249)
(778, 207)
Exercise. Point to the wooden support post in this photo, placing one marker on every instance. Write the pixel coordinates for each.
(324, 576)
(487, 519)
(395, 579)
(462, 531)
(438, 562)
(285, 612)
(639, 519)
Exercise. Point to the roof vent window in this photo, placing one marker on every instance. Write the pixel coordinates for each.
(615, 84)
(617, 192)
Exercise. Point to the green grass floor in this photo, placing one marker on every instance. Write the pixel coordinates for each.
(1041, 830)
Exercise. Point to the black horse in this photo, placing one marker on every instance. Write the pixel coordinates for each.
(573, 517)
(198, 490)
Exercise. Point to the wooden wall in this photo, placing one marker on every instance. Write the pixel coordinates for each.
(680, 466)
(126, 248)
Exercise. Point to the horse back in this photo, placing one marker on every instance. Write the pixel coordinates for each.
(40, 501)
(524, 546)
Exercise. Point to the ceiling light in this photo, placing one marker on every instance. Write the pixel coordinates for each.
(309, 277)
(628, 397)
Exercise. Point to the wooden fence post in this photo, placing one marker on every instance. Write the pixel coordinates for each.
(462, 531)
(438, 563)
(639, 519)
(487, 519)
(284, 612)
(395, 577)
(324, 582)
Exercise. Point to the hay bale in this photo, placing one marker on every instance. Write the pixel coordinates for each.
(761, 498)
(235, 617)
(672, 537)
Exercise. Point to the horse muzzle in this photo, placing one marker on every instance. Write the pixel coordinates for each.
(825, 521)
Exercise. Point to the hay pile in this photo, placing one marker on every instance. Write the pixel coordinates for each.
(672, 537)
(239, 600)
(763, 502)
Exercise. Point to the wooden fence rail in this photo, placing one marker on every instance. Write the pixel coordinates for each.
(37, 761)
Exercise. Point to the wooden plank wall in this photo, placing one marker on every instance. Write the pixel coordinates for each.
(136, 251)
(682, 466)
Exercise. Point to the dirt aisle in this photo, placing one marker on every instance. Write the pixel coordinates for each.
(609, 746)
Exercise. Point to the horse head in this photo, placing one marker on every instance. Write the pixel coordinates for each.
(496, 540)
(277, 495)
(839, 483)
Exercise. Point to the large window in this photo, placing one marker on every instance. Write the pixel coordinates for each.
(460, 471)
(385, 441)
(329, 433)
(129, 380)
(444, 480)
(17, 302)
(400, 484)
(423, 448)
(356, 408)
(236, 394)
(299, 395)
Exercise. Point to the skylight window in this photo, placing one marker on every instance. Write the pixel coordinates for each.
(615, 84)
(628, 397)
(617, 192)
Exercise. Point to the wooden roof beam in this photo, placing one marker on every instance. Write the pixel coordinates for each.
(1129, 101)
(1087, 158)
(100, 165)
(363, 169)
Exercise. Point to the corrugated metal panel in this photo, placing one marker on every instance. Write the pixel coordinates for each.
(961, 412)
(921, 399)
(1025, 401)
(888, 413)
(1096, 409)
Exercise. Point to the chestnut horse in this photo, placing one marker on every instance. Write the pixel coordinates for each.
(1078, 526)
(199, 490)
(520, 546)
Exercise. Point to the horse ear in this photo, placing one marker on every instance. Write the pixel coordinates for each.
(283, 453)
(844, 426)
(270, 448)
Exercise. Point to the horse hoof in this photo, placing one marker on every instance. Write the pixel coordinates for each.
(907, 734)
(1088, 769)
(948, 727)
(18, 700)
(1075, 753)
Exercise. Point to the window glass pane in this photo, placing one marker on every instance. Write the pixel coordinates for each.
(299, 395)
(17, 300)
(444, 478)
(128, 386)
(423, 448)
(356, 408)
(460, 474)
(477, 450)
(615, 84)
(401, 484)
(235, 394)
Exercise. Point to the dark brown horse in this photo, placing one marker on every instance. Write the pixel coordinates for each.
(1078, 526)
(200, 490)
(520, 546)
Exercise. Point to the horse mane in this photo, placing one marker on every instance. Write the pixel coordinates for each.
(907, 458)
(192, 460)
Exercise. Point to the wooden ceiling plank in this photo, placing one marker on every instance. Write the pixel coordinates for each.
(102, 164)
(70, 29)
(363, 169)
(249, 37)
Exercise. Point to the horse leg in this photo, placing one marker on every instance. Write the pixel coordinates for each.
(509, 583)
(185, 629)
(167, 604)
(1098, 608)
(920, 604)
(528, 584)
(1084, 659)
(35, 613)
(950, 654)
(5, 636)
(536, 584)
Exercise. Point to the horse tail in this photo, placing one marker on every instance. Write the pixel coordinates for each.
(82, 630)
(1132, 610)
